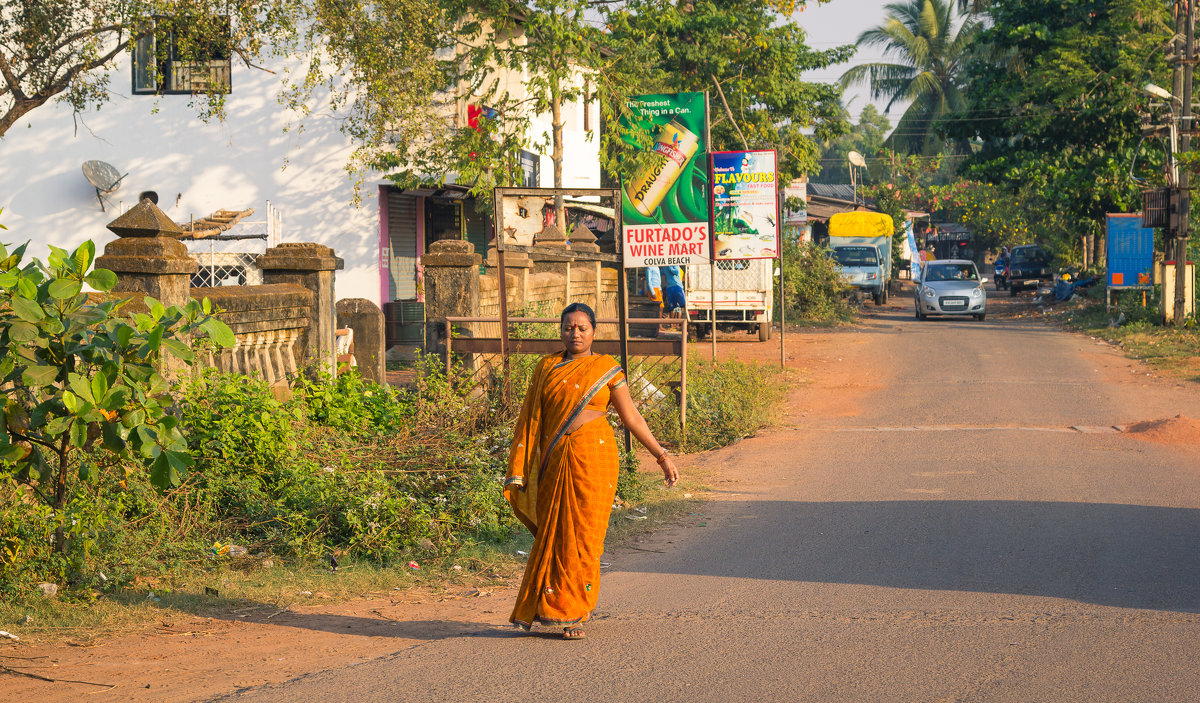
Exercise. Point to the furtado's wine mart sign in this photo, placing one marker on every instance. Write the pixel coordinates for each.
(664, 204)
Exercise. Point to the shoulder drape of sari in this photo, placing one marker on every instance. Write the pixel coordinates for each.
(558, 392)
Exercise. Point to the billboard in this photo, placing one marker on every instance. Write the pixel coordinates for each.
(664, 204)
(745, 205)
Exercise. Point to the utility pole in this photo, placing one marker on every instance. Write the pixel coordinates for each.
(1181, 85)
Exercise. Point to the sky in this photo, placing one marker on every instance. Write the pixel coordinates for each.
(840, 22)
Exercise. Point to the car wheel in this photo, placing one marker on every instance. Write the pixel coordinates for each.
(922, 316)
(886, 296)
(980, 316)
(1012, 290)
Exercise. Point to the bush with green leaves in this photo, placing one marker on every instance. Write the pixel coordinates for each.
(726, 401)
(813, 289)
(84, 380)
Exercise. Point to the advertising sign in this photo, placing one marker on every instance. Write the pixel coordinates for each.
(745, 205)
(664, 205)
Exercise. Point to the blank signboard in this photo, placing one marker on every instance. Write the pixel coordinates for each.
(1130, 252)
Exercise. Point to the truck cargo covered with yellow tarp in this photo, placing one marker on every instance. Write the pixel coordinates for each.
(861, 243)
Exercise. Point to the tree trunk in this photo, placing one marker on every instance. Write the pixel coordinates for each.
(60, 495)
(556, 156)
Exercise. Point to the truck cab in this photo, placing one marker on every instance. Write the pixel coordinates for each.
(862, 268)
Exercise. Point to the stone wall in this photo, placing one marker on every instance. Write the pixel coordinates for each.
(282, 327)
(536, 288)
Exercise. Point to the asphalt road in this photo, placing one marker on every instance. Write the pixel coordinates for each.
(925, 526)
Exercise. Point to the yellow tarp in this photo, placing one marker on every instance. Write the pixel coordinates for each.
(861, 224)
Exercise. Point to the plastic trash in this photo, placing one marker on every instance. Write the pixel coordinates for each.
(413, 565)
(9, 636)
(236, 550)
(49, 590)
(524, 554)
(636, 517)
(456, 567)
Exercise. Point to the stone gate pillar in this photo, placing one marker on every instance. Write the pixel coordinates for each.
(451, 286)
(147, 257)
(311, 266)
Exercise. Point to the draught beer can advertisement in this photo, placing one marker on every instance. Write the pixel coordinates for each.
(745, 205)
(664, 202)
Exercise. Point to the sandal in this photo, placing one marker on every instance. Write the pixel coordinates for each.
(574, 633)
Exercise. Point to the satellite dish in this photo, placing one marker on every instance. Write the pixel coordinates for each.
(857, 159)
(104, 177)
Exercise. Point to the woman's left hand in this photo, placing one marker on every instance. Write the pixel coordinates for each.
(670, 474)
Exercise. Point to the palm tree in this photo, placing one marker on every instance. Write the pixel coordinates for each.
(929, 53)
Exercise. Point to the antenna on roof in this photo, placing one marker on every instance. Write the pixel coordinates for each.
(104, 177)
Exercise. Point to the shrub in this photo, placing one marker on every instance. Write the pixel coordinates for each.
(726, 401)
(84, 397)
(813, 289)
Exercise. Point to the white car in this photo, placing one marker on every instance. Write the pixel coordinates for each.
(951, 287)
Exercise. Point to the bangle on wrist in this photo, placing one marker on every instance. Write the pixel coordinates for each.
(662, 456)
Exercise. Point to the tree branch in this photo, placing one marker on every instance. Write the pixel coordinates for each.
(728, 112)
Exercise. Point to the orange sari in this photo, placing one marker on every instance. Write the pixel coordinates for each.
(561, 486)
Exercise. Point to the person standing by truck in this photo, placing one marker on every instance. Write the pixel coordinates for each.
(674, 299)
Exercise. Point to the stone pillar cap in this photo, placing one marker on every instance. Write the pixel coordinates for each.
(144, 220)
(551, 235)
(512, 259)
(300, 256)
(452, 246)
(583, 239)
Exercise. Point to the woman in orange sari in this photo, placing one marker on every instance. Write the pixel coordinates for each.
(562, 474)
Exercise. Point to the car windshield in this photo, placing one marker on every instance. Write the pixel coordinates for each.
(1029, 256)
(856, 256)
(951, 272)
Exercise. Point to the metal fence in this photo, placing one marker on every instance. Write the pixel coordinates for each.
(655, 369)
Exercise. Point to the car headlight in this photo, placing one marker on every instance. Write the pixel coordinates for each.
(1015, 272)
(871, 276)
(977, 293)
(928, 293)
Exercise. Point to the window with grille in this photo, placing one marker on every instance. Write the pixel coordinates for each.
(183, 57)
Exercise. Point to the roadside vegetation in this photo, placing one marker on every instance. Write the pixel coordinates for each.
(813, 291)
(232, 495)
(1138, 331)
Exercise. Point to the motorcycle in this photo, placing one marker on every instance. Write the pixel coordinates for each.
(1001, 274)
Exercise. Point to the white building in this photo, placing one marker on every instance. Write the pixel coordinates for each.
(249, 159)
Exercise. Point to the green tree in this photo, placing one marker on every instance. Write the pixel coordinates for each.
(80, 377)
(519, 61)
(1055, 102)
(749, 61)
(929, 56)
(867, 138)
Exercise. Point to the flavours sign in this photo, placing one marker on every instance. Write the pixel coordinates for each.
(745, 205)
(664, 204)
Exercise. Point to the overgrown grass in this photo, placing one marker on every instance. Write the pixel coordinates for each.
(1137, 330)
(726, 401)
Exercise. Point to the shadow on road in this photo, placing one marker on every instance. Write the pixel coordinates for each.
(1115, 555)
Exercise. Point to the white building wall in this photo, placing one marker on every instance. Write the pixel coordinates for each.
(194, 167)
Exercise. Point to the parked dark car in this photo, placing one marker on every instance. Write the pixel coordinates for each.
(1027, 266)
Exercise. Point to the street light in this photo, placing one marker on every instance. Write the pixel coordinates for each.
(1158, 92)
(1172, 131)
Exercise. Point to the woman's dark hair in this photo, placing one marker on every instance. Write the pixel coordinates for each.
(578, 307)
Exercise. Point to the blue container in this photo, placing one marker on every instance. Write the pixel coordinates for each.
(1130, 252)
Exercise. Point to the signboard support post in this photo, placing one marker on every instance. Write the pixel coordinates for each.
(780, 243)
(502, 279)
(712, 306)
(623, 323)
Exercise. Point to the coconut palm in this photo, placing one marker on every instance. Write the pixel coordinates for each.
(928, 55)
